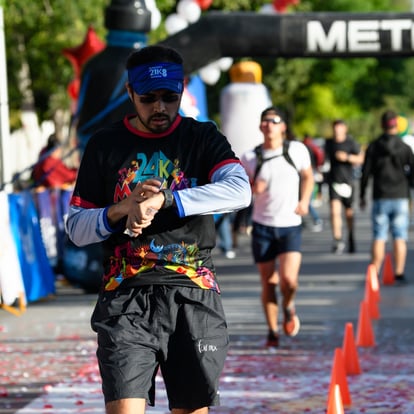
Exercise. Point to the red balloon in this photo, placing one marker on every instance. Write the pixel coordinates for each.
(73, 88)
(282, 5)
(204, 4)
(80, 54)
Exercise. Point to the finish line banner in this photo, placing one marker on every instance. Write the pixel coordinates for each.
(319, 34)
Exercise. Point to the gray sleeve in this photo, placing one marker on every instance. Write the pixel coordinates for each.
(87, 226)
(229, 191)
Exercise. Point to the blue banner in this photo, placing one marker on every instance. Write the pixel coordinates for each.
(45, 200)
(38, 276)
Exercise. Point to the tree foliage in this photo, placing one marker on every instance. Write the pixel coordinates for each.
(36, 32)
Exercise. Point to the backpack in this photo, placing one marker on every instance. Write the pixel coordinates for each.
(317, 154)
(260, 160)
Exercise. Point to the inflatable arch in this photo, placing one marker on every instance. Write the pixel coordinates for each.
(322, 34)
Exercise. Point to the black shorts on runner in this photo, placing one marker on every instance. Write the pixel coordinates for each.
(181, 330)
(346, 201)
(269, 242)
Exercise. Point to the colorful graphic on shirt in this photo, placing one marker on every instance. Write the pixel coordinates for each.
(143, 168)
(129, 261)
(134, 258)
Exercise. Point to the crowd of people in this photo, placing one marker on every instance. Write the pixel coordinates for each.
(286, 190)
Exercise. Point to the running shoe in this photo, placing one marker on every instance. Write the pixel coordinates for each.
(272, 339)
(291, 323)
(338, 247)
(230, 254)
(400, 279)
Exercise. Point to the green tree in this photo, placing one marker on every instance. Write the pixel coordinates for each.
(36, 31)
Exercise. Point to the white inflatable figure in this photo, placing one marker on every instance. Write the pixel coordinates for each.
(241, 103)
(11, 278)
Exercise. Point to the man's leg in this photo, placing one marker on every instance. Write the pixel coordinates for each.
(269, 279)
(126, 406)
(336, 219)
(378, 253)
(203, 410)
(400, 255)
(289, 279)
(336, 225)
(349, 216)
(289, 274)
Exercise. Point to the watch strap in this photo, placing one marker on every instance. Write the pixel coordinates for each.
(168, 198)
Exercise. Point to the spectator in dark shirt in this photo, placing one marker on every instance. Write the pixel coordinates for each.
(391, 164)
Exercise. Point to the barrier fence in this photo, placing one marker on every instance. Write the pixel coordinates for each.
(32, 226)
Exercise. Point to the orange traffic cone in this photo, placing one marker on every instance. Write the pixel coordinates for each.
(388, 277)
(350, 352)
(372, 281)
(371, 297)
(338, 377)
(365, 333)
(335, 401)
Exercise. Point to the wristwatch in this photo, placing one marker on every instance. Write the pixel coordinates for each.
(168, 198)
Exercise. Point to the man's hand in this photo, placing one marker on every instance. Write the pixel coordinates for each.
(302, 208)
(342, 156)
(144, 203)
(130, 207)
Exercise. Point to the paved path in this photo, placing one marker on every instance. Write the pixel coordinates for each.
(47, 362)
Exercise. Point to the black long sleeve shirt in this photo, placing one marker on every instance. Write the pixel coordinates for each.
(391, 164)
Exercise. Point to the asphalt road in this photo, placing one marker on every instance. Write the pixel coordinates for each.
(47, 361)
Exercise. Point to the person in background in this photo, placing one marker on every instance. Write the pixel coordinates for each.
(279, 170)
(317, 159)
(50, 170)
(147, 188)
(390, 162)
(224, 233)
(343, 153)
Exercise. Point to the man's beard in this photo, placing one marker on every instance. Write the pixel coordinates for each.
(160, 129)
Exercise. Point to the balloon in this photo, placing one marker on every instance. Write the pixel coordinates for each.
(175, 23)
(155, 19)
(225, 63)
(73, 88)
(189, 10)
(281, 5)
(210, 74)
(80, 54)
(155, 13)
(267, 9)
(204, 4)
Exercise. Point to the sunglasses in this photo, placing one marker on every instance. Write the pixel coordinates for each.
(166, 98)
(275, 120)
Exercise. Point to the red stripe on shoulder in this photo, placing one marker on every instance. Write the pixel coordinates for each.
(221, 164)
(79, 202)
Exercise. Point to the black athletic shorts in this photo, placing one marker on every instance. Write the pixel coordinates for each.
(269, 242)
(181, 330)
(346, 199)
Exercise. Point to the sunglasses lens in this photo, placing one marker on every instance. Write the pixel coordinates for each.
(167, 98)
(275, 120)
